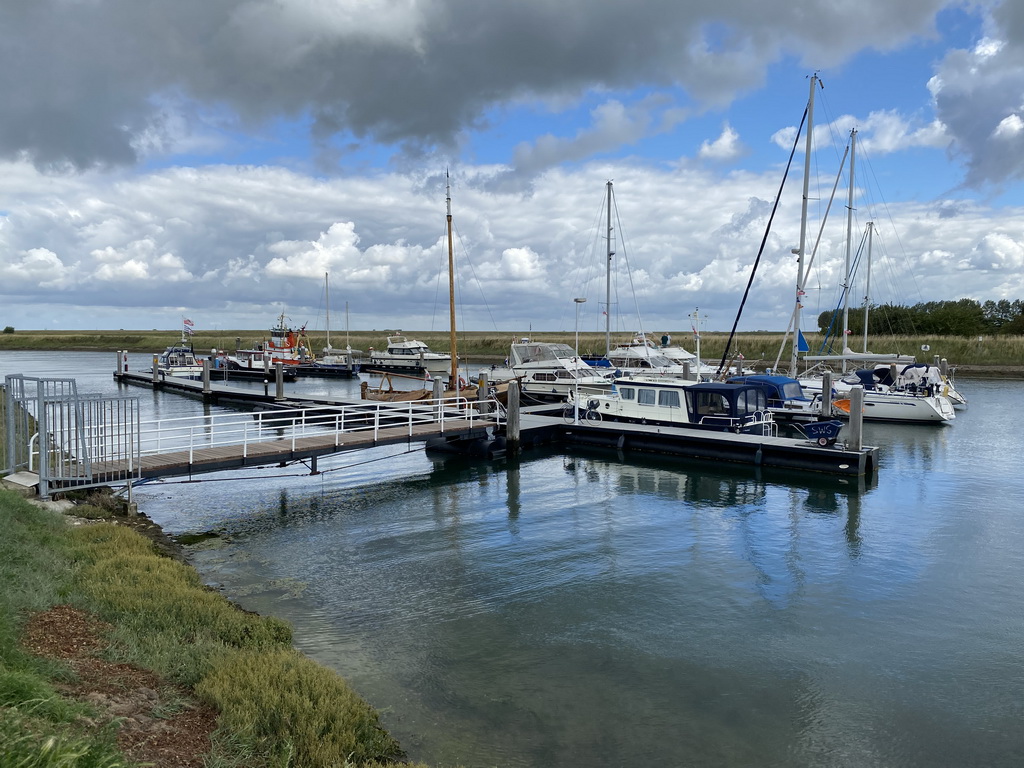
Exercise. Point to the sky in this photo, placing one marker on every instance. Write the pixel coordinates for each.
(225, 161)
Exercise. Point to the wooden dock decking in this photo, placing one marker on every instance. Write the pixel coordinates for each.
(286, 450)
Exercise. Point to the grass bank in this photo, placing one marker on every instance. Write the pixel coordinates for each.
(274, 707)
(761, 348)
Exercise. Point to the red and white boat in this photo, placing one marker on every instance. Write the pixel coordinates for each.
(285, 345)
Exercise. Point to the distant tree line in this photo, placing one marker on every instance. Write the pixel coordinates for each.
(965, 317)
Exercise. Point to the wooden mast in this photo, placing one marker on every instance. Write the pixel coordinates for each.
(453, 383)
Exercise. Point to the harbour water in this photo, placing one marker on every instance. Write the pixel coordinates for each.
(587, 609)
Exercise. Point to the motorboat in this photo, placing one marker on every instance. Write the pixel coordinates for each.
(787, 399)
(641, 356)
(717, 406)
(405, 355)
(180, 360)
(550, 371)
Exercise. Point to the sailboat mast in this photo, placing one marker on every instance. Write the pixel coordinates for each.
(454, 382)
(803, 228)
(867, 284)
(327, 302)
(608, 281)
(849, 238)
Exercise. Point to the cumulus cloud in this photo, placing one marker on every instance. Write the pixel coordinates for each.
(725, 148)
(977, 96)
(100, 83)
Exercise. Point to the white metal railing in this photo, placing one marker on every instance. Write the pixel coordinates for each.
(192, 433)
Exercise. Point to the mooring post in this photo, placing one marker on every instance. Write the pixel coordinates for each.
(512, 425)
(944, 367)
(279, 380)
(206, 379)
(156, 369)
(481, 394)
(855, 439)
(686, 370)
(826, 394)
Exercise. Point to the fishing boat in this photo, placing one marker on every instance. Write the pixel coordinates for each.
(716, 406)
(285, 345)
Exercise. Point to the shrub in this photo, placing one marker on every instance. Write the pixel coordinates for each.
(295, 711)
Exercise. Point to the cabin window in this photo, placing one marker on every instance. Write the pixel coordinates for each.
(792, 390)
(564, 374)
(668, 398)
(539, 376)
(645, 396)
(627, 393)
(712, 404)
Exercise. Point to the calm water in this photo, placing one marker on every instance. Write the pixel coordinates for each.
(578, 610)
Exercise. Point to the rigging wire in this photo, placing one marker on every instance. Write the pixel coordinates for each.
(760, 251)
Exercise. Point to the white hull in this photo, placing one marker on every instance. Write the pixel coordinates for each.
(893, 406)
(433, 363)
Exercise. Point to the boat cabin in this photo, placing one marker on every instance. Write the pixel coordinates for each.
(678, 402)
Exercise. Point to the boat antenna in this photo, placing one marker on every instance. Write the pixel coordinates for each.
(760, 251)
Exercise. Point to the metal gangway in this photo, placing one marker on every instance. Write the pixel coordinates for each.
(66, 438)
(78, 441)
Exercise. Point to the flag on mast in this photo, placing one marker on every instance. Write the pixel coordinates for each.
(187, 325)
(801, 342)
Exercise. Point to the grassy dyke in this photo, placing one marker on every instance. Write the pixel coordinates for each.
(762, 347)
(277, 708)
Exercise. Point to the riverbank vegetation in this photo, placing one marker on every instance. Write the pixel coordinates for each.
(112, 654)
(760, 348)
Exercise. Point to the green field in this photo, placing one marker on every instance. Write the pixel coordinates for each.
(758, 349)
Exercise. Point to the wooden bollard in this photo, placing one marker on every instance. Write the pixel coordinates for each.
(481, 394)
(855, 439)
(279, 380)
(206, 378)
(826, 394)
(512, 425)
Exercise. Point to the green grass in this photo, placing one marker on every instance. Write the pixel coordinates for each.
(277, 707)
(485, 347)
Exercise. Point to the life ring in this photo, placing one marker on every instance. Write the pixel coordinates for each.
(462, 383)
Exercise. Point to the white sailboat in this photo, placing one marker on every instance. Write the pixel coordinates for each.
(911, 395)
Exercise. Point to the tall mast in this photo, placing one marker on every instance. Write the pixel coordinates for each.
(608, 280)
(803, 228)
(454, 381)
(849, 238)
(867, 285)
(327, 301)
